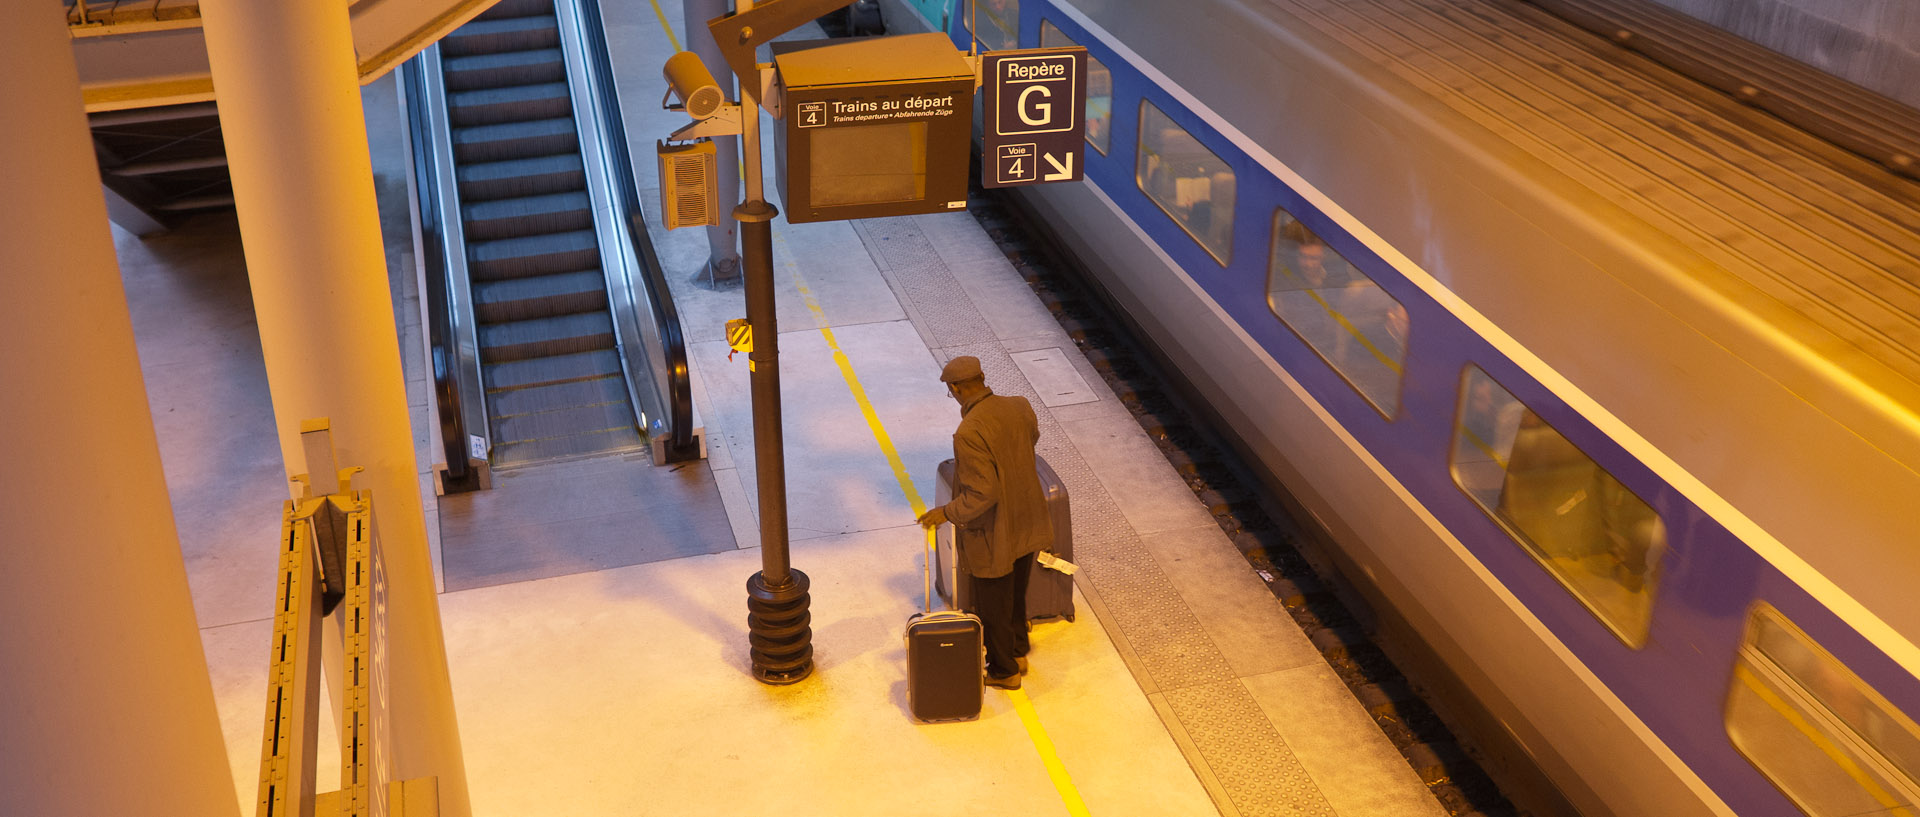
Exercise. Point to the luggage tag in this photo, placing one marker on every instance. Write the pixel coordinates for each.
(1052, 562)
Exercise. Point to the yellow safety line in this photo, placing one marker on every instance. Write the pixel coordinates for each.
(1484, 446)
(1341, 319)
(668, 26)
(1839, 757)
(1057, 771)
(860, 396)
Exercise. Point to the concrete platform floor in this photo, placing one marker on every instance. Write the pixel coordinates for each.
(1183, 688)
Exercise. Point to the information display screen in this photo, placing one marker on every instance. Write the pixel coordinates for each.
(868, 164)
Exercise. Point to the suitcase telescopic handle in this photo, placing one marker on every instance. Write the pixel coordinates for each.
(932, 534)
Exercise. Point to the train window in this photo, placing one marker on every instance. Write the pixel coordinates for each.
(999, 22)
(1187, 180)
(1099, 88)
(1353, 324)
(1806, 721)
(1595, 536)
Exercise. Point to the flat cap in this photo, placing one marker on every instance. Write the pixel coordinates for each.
(964, 367)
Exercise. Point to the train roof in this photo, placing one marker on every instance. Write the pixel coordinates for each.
(1814, 247)
(1775, 212)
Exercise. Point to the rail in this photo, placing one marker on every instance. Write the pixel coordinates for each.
(452, 343)
(667, 409)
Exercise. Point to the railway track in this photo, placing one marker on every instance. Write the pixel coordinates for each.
(1270, 539)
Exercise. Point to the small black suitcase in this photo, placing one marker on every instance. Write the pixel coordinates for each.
(946, 660)
(1049, 592)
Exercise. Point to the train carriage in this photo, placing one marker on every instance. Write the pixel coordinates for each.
(1602, 384)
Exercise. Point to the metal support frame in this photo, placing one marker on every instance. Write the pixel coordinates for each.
(86, 18)
(331, 565)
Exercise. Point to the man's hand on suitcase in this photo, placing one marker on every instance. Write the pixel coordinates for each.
(933, 518)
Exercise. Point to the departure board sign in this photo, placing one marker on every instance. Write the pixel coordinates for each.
(1035, 125)
(873, 127)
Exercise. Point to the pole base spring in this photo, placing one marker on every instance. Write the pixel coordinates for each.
(780, 635)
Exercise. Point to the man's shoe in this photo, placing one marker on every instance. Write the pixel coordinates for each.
(1004, 681)
(1022, 660)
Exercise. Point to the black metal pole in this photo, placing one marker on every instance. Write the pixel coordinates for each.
(763, 375)
(778, 623)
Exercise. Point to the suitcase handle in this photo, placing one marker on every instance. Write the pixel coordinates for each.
(932, 532)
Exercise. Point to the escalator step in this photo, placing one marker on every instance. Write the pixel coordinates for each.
(507, 34)
(516, 8)
(564, 421)
(540, 337)
(527, 215)
(532, 255)
(535, 176)
(515, 140)
(545, 296)
(504, 69)
(513, 103)
(571, 394)
(520, 374)
(507, 455)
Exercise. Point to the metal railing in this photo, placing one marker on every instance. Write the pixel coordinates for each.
(100, 17)
(453, 345)
(646, 301)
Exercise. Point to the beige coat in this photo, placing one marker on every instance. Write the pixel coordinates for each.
(999, 511)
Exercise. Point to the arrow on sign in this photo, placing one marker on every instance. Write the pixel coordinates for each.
(1065, 171)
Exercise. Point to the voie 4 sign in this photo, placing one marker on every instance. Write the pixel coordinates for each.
(1035, 125)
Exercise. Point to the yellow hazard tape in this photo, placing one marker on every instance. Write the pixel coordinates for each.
(739, 337)
(667, 26)
(1056, 771)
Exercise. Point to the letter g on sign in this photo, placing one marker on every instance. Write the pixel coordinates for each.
(1028, 109)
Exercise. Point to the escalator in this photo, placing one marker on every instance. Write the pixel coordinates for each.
(553, 335)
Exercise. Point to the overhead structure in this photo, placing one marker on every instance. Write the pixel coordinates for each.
(136, 55)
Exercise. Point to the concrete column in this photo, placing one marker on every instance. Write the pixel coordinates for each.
(285, 78)
(723, 239)
(105, 704)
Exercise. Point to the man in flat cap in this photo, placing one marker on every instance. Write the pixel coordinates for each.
(998, 511)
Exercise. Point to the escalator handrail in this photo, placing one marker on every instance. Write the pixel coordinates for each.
(626, 189)
(440, 320)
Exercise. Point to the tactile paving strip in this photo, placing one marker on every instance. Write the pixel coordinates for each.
(1006, 378)
(1234, 738)
(1259, 772)
(942, 307)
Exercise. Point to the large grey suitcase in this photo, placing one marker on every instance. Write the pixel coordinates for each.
(946, 659)
(1049, 592)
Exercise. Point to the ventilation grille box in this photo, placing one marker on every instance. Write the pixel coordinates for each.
(689, 184)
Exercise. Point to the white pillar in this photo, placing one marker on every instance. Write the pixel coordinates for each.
(105, 703)
(285, 78)
(723, 240)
